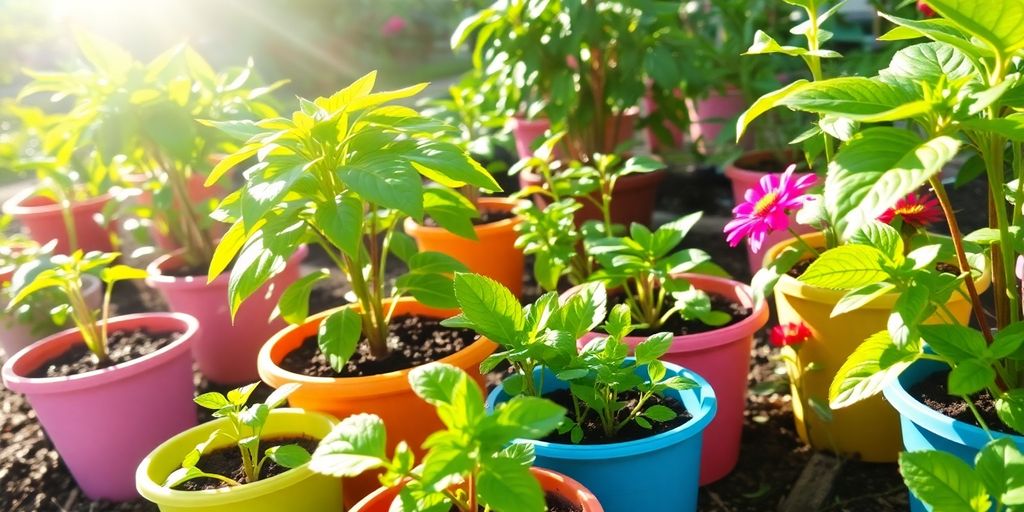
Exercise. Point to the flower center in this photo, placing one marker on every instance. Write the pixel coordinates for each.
(765, 203)
(910, 209)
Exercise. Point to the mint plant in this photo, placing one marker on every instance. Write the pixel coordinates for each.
(945, 482)
(64, 272)
(469, 466)
(246, 430)
(343, 172)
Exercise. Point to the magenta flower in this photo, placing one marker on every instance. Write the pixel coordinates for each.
(393, 26)
(766, 207)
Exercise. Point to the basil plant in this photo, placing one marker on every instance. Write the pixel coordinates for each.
(343, 172)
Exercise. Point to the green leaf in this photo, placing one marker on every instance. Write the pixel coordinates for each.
(108, 58)
(255, 416)
(660, 413)
(867, 100)
(956, 342)
(506, 485)
(943, 481)
(856, 299)
(294, 302)
(342, 224)
(212, 400)
(928, 63)
(434, 263)
(996, 24)
(449, 165)
(1000, 466)
(289, 455)
(528, 417)
(172, 128)
(281, 394)
(433, 290)
(875, 363)
(451, 210)
(355, 445)
(240, 396)
(878, 167)
(653, 347)
(1010, 127)
(583, 311)
(436, 382)
(970, 376)
(387, 184)
(338, 337)
(846, 267)
(765, 44)
(766, 103)
(1010, 408)
(493, 309)
(110, 275)
(883, 237)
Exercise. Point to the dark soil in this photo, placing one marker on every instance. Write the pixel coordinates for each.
(414, 340)
(227, 462)
(188, 271)
(122, 346)
(681, 327)
(593, 433)
(486, 217)
(769, 162)
(555, 503)
(932, 391)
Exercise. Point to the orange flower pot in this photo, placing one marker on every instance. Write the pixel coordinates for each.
(550, 481)
(492, 254)
(388, 395)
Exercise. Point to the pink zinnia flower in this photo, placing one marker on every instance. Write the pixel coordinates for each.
(918, 210)
(925, 9)
(789, 334)
(393, 26)
(766, 207)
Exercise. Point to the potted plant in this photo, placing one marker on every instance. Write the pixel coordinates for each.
(31, 320)
(344, 171)
(941, 480)
(106, 391)
(163, 140)
(874, 282)
(250, 458)
(487, 245)
(468, 466)
(626, 415)
(70, 201)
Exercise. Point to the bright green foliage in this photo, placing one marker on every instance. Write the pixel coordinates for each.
(344, 171)
(944, 482)
(143, 115)
(469, 465)
(64, 272)
(247, 424)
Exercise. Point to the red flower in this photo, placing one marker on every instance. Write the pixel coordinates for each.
(918, 210)
(789, 334)
(923, 7)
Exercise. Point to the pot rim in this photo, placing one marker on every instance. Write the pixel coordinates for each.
(920, 414)
(522, 119)
(499, 204)
(157, 278)
(14, 380)
(365, 386)
(694, 426)
(791, 286)
(161, 495)
(14, 206)
(736, 171)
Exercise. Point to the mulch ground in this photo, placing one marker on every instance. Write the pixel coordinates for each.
(33, 478)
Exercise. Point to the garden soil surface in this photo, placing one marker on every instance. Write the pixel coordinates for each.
(33, 478)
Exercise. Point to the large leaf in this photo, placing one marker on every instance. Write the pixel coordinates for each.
(386, 183)
(451, 166)
(338, 337)
(878, 167)
(996, 23)
(341, 222)
(944, 482)
(766, 103)
(868, 100)
(874, 364)
(846, 267)
(293, 306)
(926, 62)
(450, 210)
(506, 485)
(1000, 466)
(1010, 127)
(354, 446)
(492, 308)
(939, 30)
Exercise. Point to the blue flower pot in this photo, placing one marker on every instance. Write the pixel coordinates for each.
(925, 429)
(655, 474)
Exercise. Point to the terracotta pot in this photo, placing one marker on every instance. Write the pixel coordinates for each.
(528, 133)
(550, 481)
(104, 422)
(868, 430)
(709, 115)
(43, 219)
(225, 349)
(744, 175)
(633, 199)
(722, 356)
(492, 254)
(296, 489)
(15, 335)
(388, 395)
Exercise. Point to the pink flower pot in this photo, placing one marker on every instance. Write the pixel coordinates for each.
(43, 219)
(225, 351)
(528, 133)
(708, 116)
(744, 175)
(15, 335)
(722, 356)
(104, 422)
(633, 199)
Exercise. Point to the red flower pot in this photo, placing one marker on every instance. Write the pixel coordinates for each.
(43, 219)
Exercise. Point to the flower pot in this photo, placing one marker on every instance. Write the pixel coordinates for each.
(492, 254)
(388, 395)
(660, 472)
(296, 489)
(15, 335)
(225, 349)
(869, 429)
(709, 115)
(104, 422)
(528, 133)
(43, 219)
(722, 356)
(926, 429)
(745, 173)
(633, 198)
(381, 499)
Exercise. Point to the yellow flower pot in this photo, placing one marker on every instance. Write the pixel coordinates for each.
(296, 489)
(869, 430)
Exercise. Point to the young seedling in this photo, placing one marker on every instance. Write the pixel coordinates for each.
(469, 466)
(246, 430)
(65, 273)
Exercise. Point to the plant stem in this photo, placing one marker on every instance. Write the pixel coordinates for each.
(803, 243)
